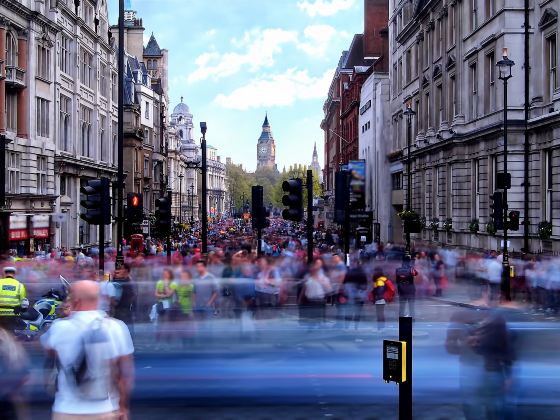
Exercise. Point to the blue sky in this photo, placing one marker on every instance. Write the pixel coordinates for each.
(234, 60)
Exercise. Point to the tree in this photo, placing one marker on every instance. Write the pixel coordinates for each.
(267, 177)
(239, 184)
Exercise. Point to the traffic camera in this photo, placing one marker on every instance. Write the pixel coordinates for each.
(293, 199)
(96, 202)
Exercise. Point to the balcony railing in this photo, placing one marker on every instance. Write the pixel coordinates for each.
(15, 77)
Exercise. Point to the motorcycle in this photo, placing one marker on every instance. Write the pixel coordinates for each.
(32, 320)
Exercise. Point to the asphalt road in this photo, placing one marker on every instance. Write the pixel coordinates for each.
(279, 369)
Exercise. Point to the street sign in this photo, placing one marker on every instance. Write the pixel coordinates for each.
(59, 217)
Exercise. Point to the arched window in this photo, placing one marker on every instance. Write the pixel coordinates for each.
(11, 50)
(180, 134)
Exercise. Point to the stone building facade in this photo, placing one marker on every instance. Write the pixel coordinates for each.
(443, 63)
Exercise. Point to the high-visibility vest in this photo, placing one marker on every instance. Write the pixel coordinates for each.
(11, 294)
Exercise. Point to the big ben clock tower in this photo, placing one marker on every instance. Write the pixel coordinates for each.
(266, 149)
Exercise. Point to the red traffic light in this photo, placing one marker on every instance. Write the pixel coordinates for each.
(135, 201)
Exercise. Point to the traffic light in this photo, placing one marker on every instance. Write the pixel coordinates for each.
(497, 214)
(293, 199)
(256, 204)
(134, 208)
(263, 221)
(513, 220)
(97, 202)
(163, 215)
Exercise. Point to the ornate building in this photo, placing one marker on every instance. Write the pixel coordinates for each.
(444, 56)
(315, 166)
(266, 149)
(183, 155)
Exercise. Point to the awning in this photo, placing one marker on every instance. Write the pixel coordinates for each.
(18, 228)
(40, 226)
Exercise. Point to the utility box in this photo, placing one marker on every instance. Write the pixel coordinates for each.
(394, 361)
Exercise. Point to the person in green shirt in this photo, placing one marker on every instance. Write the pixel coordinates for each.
(185, 294)
(166, 290)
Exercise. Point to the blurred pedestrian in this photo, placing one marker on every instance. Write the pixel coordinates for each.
(12, 296)
(126, 295)
(379, 288)
(14, 367)
(438, 274)
(355, 290)
(206, 290)
(311, 299)
(94, 355)
(404, 277)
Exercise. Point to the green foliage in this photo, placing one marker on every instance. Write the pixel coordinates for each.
(491, 229)
(239, 184)
(267, 177)
(474, 226)
(408, 215)
(448, 224)
(434, 224)
(545, 230)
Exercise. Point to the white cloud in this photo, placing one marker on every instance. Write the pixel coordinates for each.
(210, 33)
(324, 7)
(277, 90)
(261, 46)
(318, 39)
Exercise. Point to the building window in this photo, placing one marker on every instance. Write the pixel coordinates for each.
(11, 50)
(451, 205)
(452, 25)
(396, 179)
(490, 8)
(147, 110)
(408, 70)
(395, 80)
(65, 54)
(43, 62)
(115, 137)
(548, 185)
(474, 21)
(103, 80)
(551, 60)
(146, 167)
(439, 37)
(439, 106)
(400, 83)
(416, 119)
(490, 72)
(85, 124)
(102, 138)
(114, 88)
(427, 108)
(11, 111)
(473, 97)
(13, 165)
(477, 191)
(42, 120)
(63, 186)
(64, 129)
(86, 69)
(452, 98)
(437, 185)
(41, 175)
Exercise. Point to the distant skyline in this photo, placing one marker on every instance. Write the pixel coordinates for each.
(234, 61)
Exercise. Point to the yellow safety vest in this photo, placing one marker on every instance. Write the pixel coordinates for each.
(11, 294)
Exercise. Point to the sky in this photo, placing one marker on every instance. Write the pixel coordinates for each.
(235, 60)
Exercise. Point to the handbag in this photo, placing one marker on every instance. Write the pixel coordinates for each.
(160, 309)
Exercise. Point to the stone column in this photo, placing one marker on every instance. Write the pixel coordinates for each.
(23, 105)
(2, 80)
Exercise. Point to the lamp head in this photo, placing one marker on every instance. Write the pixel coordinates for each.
(203, 127)
(505, 65)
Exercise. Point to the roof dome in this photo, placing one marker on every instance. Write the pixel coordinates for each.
(182, 108)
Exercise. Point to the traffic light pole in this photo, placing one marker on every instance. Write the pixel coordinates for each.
(405, 389)
(204, 197)
(120, 146)
(102, 250)
(259, 242)
(506, 293)
(4, 215)
(169, 194)
(309, 216)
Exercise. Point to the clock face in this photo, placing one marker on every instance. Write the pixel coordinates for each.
(263, 150)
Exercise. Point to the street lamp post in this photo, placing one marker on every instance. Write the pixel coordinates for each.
(204, 191)
(408, 113)
(192, 204)
(180, 176)
(119, 262)
(504, 67)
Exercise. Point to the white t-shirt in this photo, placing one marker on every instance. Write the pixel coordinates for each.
(106, 293)
(64, 337)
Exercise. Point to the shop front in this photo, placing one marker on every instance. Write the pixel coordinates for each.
(29, 233)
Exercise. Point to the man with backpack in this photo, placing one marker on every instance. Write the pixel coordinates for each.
(383, 293)
(405, 285)
(93, 355)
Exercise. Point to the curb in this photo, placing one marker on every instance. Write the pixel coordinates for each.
(455, 303)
